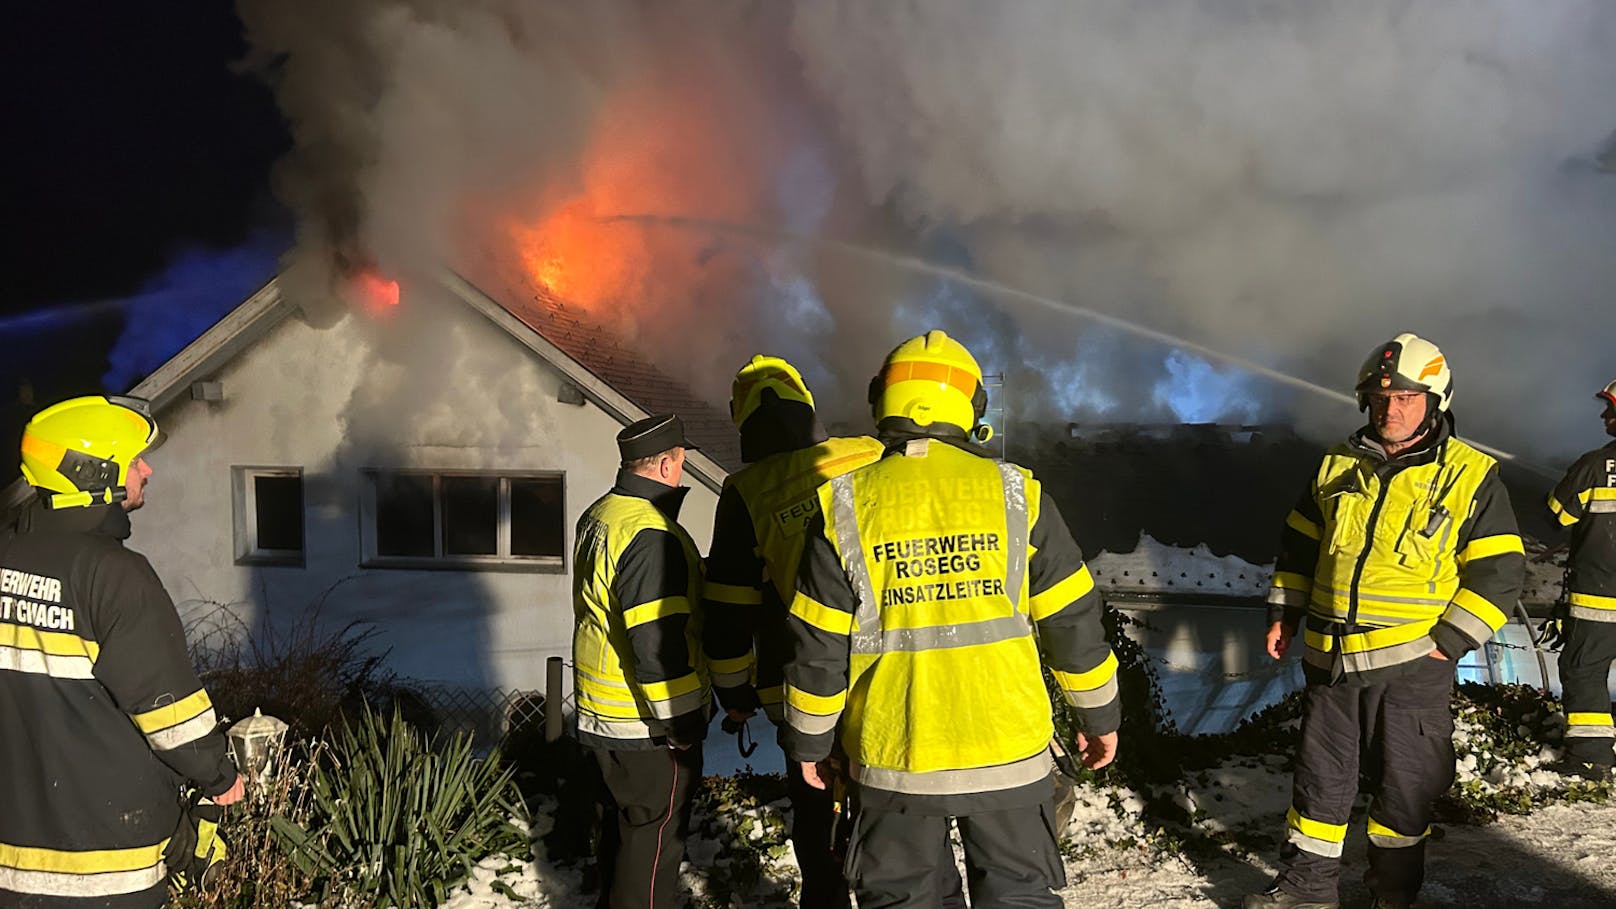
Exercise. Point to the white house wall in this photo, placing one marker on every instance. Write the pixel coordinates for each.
(451, 392)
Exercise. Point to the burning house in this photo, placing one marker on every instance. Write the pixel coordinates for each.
(301, 471)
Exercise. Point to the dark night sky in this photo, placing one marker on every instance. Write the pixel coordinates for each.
(129, 139)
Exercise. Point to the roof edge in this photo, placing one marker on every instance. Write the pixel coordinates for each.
(228, 337)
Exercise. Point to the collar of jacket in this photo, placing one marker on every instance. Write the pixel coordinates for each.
(1424, 451)
(667, 499)
(103, 520)
(895, 431)
(778, 426)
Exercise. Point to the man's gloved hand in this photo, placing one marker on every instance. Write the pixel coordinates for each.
(687, 730)
(1551, 634)
(738, 699)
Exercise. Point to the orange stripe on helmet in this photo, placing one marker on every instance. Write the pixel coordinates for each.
(954, 377)
(45, 450)
(1431, 368)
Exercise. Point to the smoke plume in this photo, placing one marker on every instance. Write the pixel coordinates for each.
(1290, 184)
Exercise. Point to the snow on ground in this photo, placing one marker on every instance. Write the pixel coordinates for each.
(1560, 856)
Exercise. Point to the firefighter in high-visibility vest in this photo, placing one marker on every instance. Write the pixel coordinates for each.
(1400, 557)
(762, 513)
(933, 586)
(638, 672)
(1585, 500)
(758, 533)
(102, 713)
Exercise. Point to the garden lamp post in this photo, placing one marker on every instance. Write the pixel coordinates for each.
(253, 741)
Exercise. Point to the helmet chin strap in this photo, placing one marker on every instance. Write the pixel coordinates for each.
(60, 500)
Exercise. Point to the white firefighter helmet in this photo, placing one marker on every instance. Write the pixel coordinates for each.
(1608, 393)
(1407, 362)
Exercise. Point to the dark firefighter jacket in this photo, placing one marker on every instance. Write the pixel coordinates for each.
(758, 532)
(636, 648)
(1390, 559)
(930, 582)
(101, 715)
(1586, 498)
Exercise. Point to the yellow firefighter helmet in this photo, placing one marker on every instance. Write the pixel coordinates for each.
(760, 373)
(81, 449)
(1407, 362)
(930, 379)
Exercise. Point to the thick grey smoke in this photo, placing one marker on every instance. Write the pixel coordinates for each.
(1290, 183)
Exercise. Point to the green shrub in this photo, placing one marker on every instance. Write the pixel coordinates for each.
(1502, 734)
(745, 815)
(394, 821)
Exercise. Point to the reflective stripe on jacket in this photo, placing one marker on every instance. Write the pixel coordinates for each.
(100, 713)
(913, 625)
(752, 570)
(636, 649)
(1586, 501)
(1393, 559)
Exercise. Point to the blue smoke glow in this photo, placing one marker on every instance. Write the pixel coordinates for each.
(1198, 392)
(173, 309)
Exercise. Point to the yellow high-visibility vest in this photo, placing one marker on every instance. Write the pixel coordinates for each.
(611, 703)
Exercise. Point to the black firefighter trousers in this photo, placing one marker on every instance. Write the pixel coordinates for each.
(1403, 728)
(1585, 679)
(646, 822)
(1012, 859)
(814, 838)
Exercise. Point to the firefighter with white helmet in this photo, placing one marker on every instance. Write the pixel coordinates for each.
(932, 585)
(101, 707)
(1400, 557)
(1585, 501)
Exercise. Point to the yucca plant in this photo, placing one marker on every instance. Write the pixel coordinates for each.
(399, 819)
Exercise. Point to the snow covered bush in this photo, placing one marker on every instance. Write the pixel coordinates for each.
(738, 843)
(397, 819)
(1502, 737)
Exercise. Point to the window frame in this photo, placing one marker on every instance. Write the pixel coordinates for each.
(244, 516)
(502, 560)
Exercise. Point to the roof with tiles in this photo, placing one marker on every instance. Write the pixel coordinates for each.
(605, 354)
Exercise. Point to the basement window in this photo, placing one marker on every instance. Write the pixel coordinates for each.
(465, 520)
(268, 515)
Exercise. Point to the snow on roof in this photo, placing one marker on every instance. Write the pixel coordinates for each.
(1154, 567)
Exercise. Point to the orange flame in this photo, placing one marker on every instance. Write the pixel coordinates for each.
(378, 293)
(663, 146)
(574, 256)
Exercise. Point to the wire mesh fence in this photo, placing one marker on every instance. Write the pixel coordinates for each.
(489, 716)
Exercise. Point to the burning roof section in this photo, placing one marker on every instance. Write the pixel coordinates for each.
(603, 349)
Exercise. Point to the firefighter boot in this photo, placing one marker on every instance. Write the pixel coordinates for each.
(1275, 898)
(1588, 770)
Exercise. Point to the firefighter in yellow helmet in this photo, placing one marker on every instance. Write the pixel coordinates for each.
(932, 586)
(1585, 501)
(758, 534)
(1400, 557)
(101, 707)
